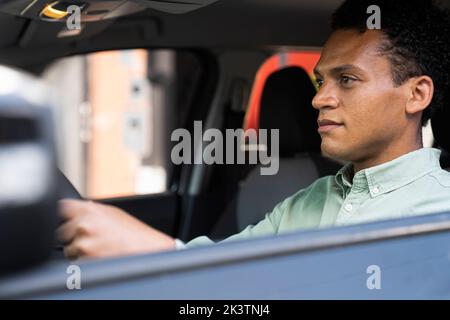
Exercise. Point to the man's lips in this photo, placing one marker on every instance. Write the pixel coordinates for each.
(326, 125)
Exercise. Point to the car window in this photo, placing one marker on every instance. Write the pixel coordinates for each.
(113, 118)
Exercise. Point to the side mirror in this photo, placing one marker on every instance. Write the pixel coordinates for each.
(28, 204)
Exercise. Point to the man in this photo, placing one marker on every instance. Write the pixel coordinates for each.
(376, 90)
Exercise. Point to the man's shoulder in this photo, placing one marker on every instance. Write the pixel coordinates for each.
(430, 194)
(442, 177)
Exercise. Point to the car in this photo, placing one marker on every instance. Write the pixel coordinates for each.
(120, 78)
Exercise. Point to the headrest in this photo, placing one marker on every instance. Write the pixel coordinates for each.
(286, 105)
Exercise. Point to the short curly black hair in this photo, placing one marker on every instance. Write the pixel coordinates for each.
(417, 40)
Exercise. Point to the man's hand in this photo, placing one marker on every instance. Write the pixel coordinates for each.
(93, 230)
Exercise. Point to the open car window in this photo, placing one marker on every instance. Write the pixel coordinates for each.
(211, 118)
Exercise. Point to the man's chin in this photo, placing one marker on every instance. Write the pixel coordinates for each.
(334, 151)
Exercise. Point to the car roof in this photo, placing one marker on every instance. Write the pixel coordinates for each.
(243, 24)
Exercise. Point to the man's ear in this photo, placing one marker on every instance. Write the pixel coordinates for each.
(421, 91)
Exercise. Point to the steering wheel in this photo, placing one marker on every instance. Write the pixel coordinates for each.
(66, 190)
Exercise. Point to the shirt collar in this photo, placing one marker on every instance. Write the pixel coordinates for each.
(390, 175)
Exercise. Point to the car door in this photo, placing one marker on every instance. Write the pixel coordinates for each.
(396, 259)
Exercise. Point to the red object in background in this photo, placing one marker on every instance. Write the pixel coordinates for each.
(305, 60)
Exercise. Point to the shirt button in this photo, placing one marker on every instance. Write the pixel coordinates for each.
(348, 207)
(375, 190)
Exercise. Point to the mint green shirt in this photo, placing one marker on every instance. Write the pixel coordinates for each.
(413, 184)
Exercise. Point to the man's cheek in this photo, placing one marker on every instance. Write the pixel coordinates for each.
(354, 134)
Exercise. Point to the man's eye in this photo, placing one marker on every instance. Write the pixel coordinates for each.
(319, 82)
(346, 80)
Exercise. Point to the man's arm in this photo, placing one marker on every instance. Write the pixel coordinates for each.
(93, 230)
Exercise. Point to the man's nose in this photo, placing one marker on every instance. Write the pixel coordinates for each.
(325, 98)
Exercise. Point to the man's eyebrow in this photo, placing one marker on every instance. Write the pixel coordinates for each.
(339, 69)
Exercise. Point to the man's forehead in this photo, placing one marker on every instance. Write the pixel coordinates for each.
(350, 48)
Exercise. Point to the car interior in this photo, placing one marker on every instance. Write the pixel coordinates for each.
(229, 41)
